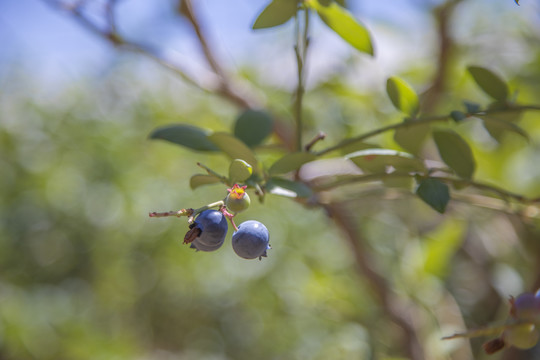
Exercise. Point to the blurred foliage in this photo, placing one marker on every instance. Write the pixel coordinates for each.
(85, 274)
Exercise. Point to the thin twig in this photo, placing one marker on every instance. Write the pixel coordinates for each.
(422, 121)
(300, 50)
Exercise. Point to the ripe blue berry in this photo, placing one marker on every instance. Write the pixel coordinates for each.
(526, 307)
(208, 231)
(251, 240)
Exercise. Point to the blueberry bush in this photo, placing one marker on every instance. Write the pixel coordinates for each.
(404, 208)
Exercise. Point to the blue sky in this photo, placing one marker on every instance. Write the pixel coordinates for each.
(50, 45)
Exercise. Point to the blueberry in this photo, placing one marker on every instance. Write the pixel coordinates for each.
(525, 307)
(197, 245)
(208, 231)
(251, 240)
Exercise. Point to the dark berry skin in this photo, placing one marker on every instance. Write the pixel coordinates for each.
(525, 307)
(208, 231)
(251, 240)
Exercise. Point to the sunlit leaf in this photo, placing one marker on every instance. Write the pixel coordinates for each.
(402, 96)
(440, 245)
(239, 171)
(377, 160)
(253, 126)
(276, 13)
(290, 162)
(411, 138)
(198, 180)
(455, 152)
(489, 82)
(234, 147)
(434, 193)
(343, 23)
(287, 188)
(188, 136)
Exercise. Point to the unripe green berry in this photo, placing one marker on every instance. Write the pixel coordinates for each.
(523, 336)
(237, 200)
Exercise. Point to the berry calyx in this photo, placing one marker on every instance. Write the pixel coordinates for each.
(251, 241)
(237, 199)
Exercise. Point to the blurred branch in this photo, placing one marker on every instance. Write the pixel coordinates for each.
(395, 309)
(300, 50)
(220, 86)
(443, 17)
(225, 87)
(422, 121)
(502, 193)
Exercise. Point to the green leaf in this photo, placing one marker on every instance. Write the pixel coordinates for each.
(291, 162)
(402, 96)
(276, 13)
(198, 180)
(288, 188)
(440, 245)
(489, 82)
(377, 160)
(235, 148)
(434, 193)
(411, 138)
(455, 152)
(497, 128)
(239, 171)
(343, 23)
(253, 126)
(188, 136)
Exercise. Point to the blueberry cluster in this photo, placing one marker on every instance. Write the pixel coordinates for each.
(525, 309)
(208, 231)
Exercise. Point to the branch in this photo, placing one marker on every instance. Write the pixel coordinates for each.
(300, 50)
(422, 121)
(443, 16)
(394, 308)
(354, 179)
(225, 87)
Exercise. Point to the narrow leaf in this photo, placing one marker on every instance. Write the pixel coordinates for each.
(276, 13)
(239, 171)
(411, 138)
(291, 162)
(497, 128)
(343, 23)
(434, 193)
(287, 188)
(377, 160)
(253, 126)
(234, 148)
(402, 96)
(198, 180)
(489, 82)
(188, 136)
(455, 152)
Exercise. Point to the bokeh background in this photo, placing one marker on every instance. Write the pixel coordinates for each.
(85, 274)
